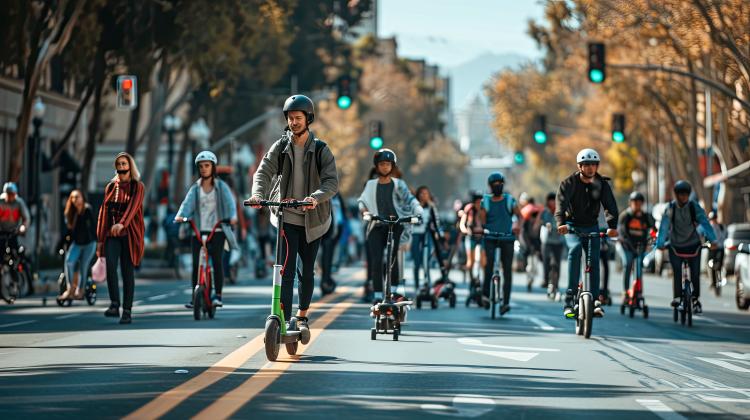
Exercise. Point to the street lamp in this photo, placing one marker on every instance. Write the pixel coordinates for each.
(38, 114)
(172, 124)
(199, 133)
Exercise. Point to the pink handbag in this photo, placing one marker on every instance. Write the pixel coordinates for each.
(99, 270)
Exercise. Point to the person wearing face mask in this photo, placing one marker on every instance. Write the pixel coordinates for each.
(499, 214)
(210, 201)
(578, 200)
(120, 231)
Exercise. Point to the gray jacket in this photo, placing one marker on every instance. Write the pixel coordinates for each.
(321, 185)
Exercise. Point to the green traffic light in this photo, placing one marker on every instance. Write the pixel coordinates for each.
(376, 143)
(596, 76)
(540, 137)
(618, 136)
(518, 157)
(344, 102)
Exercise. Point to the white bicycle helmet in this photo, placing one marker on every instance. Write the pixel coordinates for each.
(206, 156)
(588, 156)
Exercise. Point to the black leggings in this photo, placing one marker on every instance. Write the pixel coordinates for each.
(377, 240)
(694, 264)
(552, 253)
(329, 243)
(298, 245)
(216, 252)
(116, 248)
(506, 258)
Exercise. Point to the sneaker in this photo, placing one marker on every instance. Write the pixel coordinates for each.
(113, 311)
(302, 322)
(568, 312)
(189, 305)
(504, 309)
(216, 301)
(598, 310)
(304, 329)
(126, 318)
(697, 307)
(676, 302)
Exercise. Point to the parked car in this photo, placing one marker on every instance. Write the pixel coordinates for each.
(742, 273)
(736, 233)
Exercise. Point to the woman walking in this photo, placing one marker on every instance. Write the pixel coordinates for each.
(120, 231)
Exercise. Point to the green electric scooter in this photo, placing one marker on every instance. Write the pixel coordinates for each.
(277, 331)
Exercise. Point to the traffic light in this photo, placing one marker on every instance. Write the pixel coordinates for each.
(344, 100)
(376, 135)
(519, 158)
(127, 92)
(597, 62)
(540, 129)
(618, 128)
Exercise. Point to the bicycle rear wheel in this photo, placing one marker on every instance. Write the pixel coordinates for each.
(197, 302)
(8, 285)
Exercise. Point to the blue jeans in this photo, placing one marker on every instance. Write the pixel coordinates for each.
(631, 257)
(81, 255)
(418, 242)
(576, 247)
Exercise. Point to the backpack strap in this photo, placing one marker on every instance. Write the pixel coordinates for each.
(509, 202)
(691, 205)
(319, 146)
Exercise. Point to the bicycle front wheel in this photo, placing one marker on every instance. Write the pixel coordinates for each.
(493, 295)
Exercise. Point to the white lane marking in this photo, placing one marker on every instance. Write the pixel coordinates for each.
(541, 324)
(716, 322)
(725, 364)
(511, 355)
(740, 356)
(158, 297)
(463, 406)
(660, 409)
(475, 342)
(67, 316)
(723, 399)
(714, 385)
(653, 355)
(14, 324)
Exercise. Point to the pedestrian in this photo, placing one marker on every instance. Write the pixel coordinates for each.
(120, 231)
(79, 219)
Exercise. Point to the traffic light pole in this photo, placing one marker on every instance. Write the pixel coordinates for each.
(665, 69)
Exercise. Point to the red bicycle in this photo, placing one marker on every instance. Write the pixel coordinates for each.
(202, 304)
(634, 299)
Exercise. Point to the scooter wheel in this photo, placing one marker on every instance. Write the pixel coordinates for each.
(291, 348)
(60, 302)
(304, 335)
(622, 309)
(373, 334)
(419, 302)
(452, 300)
(468, 301)
(645, 311)
(91, 298)
(395, 334)
(632, 311)
(272, 344)
(434, 302)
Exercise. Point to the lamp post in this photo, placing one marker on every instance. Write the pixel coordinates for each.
(38, 114)
(171, 125)
(199, 133)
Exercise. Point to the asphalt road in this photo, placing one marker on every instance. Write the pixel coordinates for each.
(65, 362)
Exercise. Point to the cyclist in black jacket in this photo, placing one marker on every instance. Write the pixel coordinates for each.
(578, 201)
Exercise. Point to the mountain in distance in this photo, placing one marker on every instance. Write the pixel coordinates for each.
(469, 78)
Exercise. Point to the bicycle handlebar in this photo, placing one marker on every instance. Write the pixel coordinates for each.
(398, 221)
(497, 235)
(573, 231)
(280, 204)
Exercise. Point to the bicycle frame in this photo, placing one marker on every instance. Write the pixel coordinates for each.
(204, 266)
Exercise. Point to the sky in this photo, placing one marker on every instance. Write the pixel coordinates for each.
(451, 32)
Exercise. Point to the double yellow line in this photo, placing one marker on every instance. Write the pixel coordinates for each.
(235, 399)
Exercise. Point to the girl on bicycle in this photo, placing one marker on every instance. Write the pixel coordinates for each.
(210, 201)
(79, 218)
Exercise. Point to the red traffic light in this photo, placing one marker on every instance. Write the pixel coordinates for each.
(127, 84)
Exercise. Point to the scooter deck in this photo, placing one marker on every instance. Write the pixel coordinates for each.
(291, 337)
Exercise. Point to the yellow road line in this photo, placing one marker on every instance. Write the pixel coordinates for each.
(232, 401)
(167, 401)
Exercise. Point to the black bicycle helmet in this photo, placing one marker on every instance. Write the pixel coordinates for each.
(637, 196)
(476, 195)
(495, 177)
(384, 155)
(300, 103)
(682, 187)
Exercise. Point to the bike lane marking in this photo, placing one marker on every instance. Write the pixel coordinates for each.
(660, 409)
(234, 400)
(168, 400)
(14, 324)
